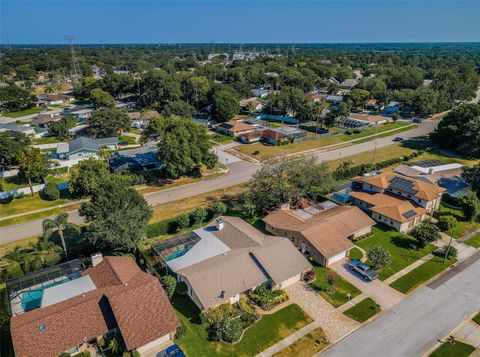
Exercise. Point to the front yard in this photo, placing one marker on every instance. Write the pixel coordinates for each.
(474, 241)
(305, 346)
(459, 349)
(269, 330)
(339, 294)
(400, 247)
(23, 112)
(463, 226)
(421, 274)
(364, 310)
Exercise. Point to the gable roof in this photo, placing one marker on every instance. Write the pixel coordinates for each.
(327, 231)
(424, 190)
(274, 135)
(235, 126)
(85, 143)
(125, 297)
(252, 259)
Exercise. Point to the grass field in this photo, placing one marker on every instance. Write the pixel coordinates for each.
(340, 289)
(268, 152)
(400, 247)
(355, 254)
(364, 310)
(266, 332)
(47, 140)
(305, 346)
(421, 274)
(474, 241)
(220, 138)
(27, 204)
(459, 349)
(129, 139)
(23, 112)
(463, 226)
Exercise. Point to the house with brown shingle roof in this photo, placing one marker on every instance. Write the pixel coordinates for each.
(114, 295)
(322, 230)
(398, 201)
(234, 128)
(230, 257)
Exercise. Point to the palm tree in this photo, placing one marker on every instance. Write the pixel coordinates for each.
(57, 225)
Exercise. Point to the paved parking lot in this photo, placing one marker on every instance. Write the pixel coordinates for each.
(384, 295)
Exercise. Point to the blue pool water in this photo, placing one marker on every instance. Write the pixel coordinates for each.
(33, 299)
(342, 197)
(177, 254)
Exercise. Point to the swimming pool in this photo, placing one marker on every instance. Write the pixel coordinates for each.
(177, 254)
(33, 299)
(342, 197)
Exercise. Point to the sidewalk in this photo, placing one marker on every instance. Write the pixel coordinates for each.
(352, 303)
(288, 340)
(42, 210)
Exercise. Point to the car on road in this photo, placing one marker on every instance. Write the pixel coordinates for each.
(363, 269)
(174, 351)
(398, 138)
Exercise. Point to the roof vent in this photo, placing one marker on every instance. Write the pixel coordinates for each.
(219, 224)
(42, 327)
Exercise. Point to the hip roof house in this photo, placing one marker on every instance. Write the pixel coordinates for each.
(84, 147)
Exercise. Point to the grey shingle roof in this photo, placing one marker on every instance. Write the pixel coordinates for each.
(84, 143)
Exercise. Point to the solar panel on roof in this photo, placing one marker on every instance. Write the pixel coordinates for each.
(427, 163)
(409, 214)
(402, 184)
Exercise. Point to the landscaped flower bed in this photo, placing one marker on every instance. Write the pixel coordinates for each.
(266, 298)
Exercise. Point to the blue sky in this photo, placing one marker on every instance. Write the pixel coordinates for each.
(157, 21)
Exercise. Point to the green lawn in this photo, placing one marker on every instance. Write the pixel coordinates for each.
(56, 179)
(460, 349)
(341, 288)
(305, 346)
(474, 241)
(355, 254)
(476, 318)
(400, 247)
(266, 332)
(23, 112)
(135, 130)
(270, 151)
(129, 139)
(27, 204)
(364, 310)
(47, 140)
(220, 138)
(463, 226)
(421, 274)
(15, 182)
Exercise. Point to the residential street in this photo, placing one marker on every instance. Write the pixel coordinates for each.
(240, 172)
(414, 325)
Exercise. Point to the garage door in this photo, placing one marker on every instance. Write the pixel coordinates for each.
(290, 281)
(337, 257)
(156, 345)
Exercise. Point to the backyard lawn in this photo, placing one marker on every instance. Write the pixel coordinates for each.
(47, 140)
(459, 349)
(270, 151)
(340, 289)
(220, 138)
(421, 274)
(364, 310)
(266, 332)
(400, 247)
(463, 226)
(23, 112)
(129, 139)
(305, 346)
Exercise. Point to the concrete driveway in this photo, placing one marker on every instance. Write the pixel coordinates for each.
(384, 295)
(334, 323)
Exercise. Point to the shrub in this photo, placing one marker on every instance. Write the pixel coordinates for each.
(180, 331)
(425, 232)
(452, 252)
(331, 278)
(169, 284)
(380, 257)
(199, 215)
(229, 330)
(181, 288)
(218, 208)
(256, 152)
(183, 221)
(161, 228)
(135, 354)
(51, 192)
(446, 223)
(310, 275)
(245, 306)
(268, 298)
(218, 313)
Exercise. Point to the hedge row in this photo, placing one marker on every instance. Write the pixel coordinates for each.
(342, 173)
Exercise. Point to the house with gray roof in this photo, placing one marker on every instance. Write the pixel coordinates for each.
(144, 158)
(25, 129)
(83, 147)
(229, 257)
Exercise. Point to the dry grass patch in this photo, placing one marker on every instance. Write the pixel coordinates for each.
(306, 346)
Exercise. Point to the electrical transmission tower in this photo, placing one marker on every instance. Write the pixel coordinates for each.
(75, 74)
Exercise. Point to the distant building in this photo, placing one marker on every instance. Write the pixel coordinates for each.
(260, 92)
(334, 99)
(45, 120)
(251, 105)
(25, 129)
(371, 104)
(392, 107)
(141, 119)
(55, 99)
(82, 113)
(349, 83)
(83, 147)
(276, 136)
(251, 137)
(144, 158)
(362, 120)
(234, 128)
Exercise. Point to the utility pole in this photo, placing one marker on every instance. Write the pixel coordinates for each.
(447, 250)
(75, 74)
(374, 150)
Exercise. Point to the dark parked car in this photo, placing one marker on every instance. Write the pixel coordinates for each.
(123, 143)
(174, 351)
(398, 138)
(363, 269)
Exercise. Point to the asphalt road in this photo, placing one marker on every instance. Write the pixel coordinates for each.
(412, 327)
(240, 172)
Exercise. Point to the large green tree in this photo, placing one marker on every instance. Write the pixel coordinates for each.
(60, 128)
(426, 232)
(471, 206)
(11, 144)
(86, 176)
(225, 105)
(58, 225)
(99, 98)
(117, 216)
(107, 122)
(472, 176)
(31, 165)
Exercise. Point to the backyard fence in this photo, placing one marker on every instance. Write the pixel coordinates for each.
(319, 136)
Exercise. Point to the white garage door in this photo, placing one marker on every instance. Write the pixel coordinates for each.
(290, 281)
(337, 257)
(156, 345)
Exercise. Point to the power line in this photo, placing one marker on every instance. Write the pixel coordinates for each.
(76, 74)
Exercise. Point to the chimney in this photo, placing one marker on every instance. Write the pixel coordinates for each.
(97, 259)
(219, 224)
